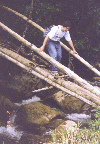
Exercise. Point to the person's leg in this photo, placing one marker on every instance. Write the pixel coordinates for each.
(59, 52)
(53, 53)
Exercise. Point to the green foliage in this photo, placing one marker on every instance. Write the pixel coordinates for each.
(95, 124)
(80, 136)
(84, 16)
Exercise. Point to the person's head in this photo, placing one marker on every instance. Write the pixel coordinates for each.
(66, 26)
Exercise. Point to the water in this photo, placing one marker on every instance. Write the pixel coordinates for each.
(82, 118)
(11, 130)
(11, 133)
(33, 99)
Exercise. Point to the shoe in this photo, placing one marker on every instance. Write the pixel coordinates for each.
(55, 74)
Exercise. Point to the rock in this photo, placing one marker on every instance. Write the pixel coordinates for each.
(35, 116)
(64, 131)
(68, 103)
(85, 108)
(55, 123)
(16, 83)
(27, 139)
(5, 105)
(95, 114)
(34, 139)
(20, 86)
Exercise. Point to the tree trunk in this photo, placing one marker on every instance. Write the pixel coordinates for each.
(42, 89)
(63, 45)
(24, 33)
(66, 70)
(67, 84)
(25, 64)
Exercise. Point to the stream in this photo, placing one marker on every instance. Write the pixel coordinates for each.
(11, 134)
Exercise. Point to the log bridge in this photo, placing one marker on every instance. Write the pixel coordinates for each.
(80, 88)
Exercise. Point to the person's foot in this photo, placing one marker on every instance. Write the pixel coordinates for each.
(55, 73)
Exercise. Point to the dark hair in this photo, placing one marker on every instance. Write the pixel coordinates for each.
(66, 24)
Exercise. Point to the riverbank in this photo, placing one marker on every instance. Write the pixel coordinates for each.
(27, 118)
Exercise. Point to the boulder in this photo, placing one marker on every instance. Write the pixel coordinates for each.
(64, 132)
(68, 103)
(35, 139)
(5, 105)
(16, 83)
(36, 116)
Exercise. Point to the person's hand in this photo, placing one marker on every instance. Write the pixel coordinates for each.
(74, 51)
(41, 49)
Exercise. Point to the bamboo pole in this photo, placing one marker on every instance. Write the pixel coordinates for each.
(43, 89)
(63, 45)
(23, 17)
(67, 84)
(46, 79)
(24, 33)
(71, 74)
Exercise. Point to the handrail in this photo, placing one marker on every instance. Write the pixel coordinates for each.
(63, 45)
(71, 74)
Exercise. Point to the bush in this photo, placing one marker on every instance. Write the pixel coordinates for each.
(81, 136)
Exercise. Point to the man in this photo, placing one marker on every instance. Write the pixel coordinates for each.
(53, 45)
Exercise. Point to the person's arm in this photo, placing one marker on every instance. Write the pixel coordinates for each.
(44, 44)
(72, 46)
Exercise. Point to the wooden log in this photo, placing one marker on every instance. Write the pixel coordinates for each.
(81, 59)
(63, 45)
(66, 84)
(66, 70)
(69, 85)
(46, 79)
(96, 78)
(43, 89)
(23, 17)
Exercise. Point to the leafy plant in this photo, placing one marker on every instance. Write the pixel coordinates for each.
(80, 136)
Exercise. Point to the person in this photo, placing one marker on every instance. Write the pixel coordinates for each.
(52, 43)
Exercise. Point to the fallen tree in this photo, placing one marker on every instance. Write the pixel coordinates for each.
(67, 84)
(66, 70)
(63, 45)
(25, 64)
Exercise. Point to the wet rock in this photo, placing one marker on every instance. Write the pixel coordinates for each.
(86, 108)
(36, 116)
(34, 139)
(27, 139)
(20, 86)
(64, 128)
(95, 114)
(68, 103)
(16, 83)
(55, 123)
(5, 105)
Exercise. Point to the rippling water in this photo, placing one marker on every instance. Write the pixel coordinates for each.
(83, 118)
(33, 99)
(13, 133)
